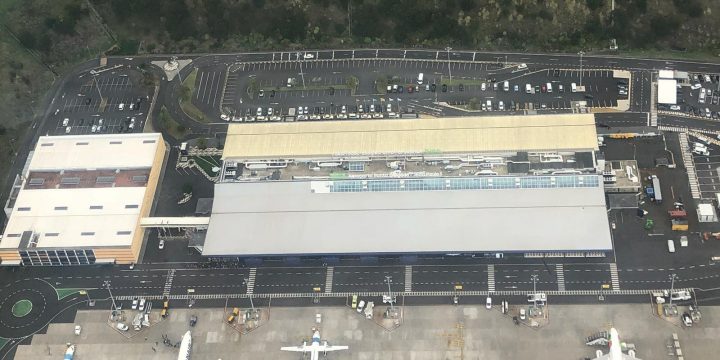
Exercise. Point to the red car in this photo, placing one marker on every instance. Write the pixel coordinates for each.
(410, 89)
(543, 88)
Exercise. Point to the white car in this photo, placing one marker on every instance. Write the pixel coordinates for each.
(522, 66)
(66, 121)
(134, 304)
(121, 106)
(675, 107)
(78, 329)
(360, 306)
(483, 87)
(161, 244)
(141, 307)
(308, 56)
(259, 111)
(488, 303)
(93, 129)
(695, 86)
(67, 129)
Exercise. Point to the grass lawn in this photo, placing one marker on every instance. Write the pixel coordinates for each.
(206, 163)
(187, 106)
(169, 124)
(22, 308)
(63, 293)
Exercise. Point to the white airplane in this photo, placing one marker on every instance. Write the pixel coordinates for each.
(315, 348)
(615, 352)
(185, 347)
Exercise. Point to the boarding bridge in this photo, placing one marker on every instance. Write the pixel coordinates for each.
(184, 222)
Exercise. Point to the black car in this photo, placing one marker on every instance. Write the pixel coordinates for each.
(588, 96)
(193, 320)
(272, 93)
(461, 87)
(444, 88)
(400, 89)
(332, 91)
(433, 87)
(87, 101)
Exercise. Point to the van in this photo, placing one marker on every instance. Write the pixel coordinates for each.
(420, 79)
(528, 88)
(506, 86)
(573, 87)
(549, 87)
(671, 246)
(290, 82)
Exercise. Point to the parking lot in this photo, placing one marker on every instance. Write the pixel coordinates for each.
(699, 99)
(110, 102)
(707, 168)
(323, 87)
(208, 89)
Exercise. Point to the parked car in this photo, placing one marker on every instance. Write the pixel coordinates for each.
(141, 307)
(134, 304)
(488, 303)
(161, 244)
(78, 330)
(360, 306)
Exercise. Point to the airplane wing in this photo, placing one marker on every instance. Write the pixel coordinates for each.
(335, 348)
(628, 357)
(294, 348)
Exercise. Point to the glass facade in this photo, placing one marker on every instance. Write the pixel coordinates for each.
(466, 183)
(57, 257)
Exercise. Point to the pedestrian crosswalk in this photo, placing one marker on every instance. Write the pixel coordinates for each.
(168, 282)
(251, 281)
(408, 278)
(689, 165)
(329, 279)
(614, 278)
(560, 273)
(491, 278)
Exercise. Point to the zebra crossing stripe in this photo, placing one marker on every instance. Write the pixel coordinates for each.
(408, 278)
(560, 273)
(491, 278)
(168, 282)
(614, 278)
(251, 281)
(329, 279)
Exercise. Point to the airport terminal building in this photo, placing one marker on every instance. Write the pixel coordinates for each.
(80, 200)
(526, 185)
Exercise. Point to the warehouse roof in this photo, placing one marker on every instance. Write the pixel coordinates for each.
(111, 151)
(411, 136)
(667, 91)
(431, 215)
(82, 191)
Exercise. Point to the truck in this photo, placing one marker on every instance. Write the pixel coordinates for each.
(677, 214)
(656, 189)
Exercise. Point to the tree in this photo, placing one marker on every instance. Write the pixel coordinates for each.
(202, 143)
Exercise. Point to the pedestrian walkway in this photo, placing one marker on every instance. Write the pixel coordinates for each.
(329, 279)
(251, 281)
(408, 278)
(168, 282)
(689, 165)
(491, 278)
(614, 276)
(560, 273)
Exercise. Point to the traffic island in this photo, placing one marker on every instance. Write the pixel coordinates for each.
(676, 309)
(22, 308)
(529, 315)
(132, 323)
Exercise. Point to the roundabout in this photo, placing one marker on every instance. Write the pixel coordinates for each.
(26, 306)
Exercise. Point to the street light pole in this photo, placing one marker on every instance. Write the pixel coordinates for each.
(302, 75)
(672, 286)
(447, 49)
(581, 53)
(388, 279)
(534, 278)
(107, 285)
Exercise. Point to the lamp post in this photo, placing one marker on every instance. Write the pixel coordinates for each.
(302, 75)
(581, 53)
(388, 279)
(447, 49)
(534, 278)
(106, 283)
(672, 286)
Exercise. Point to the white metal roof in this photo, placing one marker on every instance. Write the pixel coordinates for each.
(287, 218)
(67, 213)
(111, 151)
(667, 91)
(666, 74)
